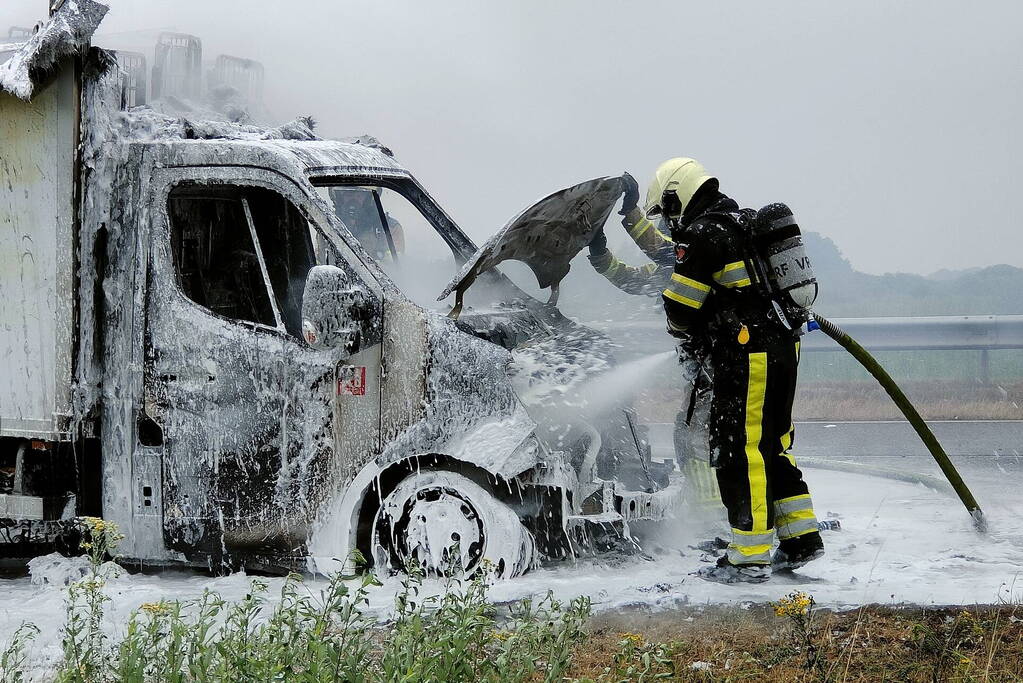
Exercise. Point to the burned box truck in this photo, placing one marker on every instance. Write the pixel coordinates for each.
(221, 337)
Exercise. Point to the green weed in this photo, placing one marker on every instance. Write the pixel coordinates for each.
(308, 635)
(12, 659)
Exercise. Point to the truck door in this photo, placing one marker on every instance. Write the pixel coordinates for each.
(254, 429)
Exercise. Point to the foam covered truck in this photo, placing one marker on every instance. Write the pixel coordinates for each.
(225, 338)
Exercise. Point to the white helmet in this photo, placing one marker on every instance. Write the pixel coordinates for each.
(680, 177)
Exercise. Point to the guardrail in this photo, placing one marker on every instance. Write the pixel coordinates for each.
(981, 333)
(929, 333)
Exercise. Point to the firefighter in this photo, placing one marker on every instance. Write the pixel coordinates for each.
(360, 210)
(716, 313)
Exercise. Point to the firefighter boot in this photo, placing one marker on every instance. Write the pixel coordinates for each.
(793, 553)
(726, 572)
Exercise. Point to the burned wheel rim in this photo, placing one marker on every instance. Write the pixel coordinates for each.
(445, 524)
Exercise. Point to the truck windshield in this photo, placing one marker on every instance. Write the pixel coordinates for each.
(399, 236)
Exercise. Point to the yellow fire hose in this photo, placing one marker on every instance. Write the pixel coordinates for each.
(924, 432)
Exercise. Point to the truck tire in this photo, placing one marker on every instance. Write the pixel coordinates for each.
(446, 524)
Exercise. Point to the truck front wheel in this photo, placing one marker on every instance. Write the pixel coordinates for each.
(445, 523)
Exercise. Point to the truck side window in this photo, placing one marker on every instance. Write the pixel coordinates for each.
(284, 235)
(214, 255)
(220, 265)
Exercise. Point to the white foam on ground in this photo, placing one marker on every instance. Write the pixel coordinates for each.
(900, 543)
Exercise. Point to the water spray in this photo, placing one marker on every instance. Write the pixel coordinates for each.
(923, 431)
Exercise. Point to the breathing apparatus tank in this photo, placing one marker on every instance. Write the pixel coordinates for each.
(779, 245)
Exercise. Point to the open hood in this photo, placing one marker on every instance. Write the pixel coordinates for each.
(546, 236)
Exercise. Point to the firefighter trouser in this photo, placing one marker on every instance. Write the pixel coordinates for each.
(751, 436)
(691, 445)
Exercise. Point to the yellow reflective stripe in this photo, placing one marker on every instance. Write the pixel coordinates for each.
(792, 504)
(729, 267)
(755, 466)
(682, 299)
(786, 444)
(797, 527)
(751, 554)
(796, 516)
(688, 281)
(702, 482)
(786, 440)
(677, 328)
(748, 550)
(641, 226)
(750, 547)
(754, 536)
(687, 291)
(663, 237)
(733, 275)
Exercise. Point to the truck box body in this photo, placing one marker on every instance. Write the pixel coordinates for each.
(37, 155)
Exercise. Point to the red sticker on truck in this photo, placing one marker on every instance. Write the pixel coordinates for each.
(351, 380)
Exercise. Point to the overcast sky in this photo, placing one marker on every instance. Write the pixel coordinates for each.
(890, 127)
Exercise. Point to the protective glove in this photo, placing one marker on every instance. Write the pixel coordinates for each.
(691, 368)
(692, 355)
(631, 199)
(598, 245)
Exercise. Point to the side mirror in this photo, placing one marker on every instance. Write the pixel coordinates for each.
(336, 311)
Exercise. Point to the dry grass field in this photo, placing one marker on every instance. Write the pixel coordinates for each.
(792, 641)
(935, 399)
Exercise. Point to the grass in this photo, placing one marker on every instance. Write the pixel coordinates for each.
(935, 399)
(306, 636)
(793, 640)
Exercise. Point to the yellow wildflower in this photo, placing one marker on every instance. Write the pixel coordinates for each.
(153, 607)
(633, 639)
(793, 605)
